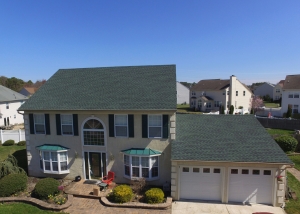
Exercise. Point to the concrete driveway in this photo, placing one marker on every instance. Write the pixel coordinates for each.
(192, 207)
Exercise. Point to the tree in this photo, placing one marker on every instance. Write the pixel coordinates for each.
(289, 112)
(287, 143)
(3, 80)
(231, 110)
(14, 83)
(39, 83)
(256, 103)
(221, 109)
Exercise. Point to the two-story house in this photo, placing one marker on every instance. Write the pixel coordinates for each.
(291, 94)
(10, 101)
(264, 89)
(183, 94)
(209, 95)
(88, 121)
(277, 91)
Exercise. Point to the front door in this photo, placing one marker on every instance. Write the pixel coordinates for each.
(95, 165)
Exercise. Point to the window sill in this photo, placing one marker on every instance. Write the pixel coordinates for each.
(56, 173)
(135, 178)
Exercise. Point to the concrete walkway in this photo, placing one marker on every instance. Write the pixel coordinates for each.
(294, 172)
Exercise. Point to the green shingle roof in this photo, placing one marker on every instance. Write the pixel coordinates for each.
(138, 151)
(50, 147)
(234, 138)
(108, 88)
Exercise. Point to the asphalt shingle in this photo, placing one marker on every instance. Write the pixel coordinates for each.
(234, 138)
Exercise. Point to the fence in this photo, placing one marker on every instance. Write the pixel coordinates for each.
(279, 123)
(16, 135)
(275, 112)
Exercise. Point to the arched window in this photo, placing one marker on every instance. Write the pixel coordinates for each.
(93, 133)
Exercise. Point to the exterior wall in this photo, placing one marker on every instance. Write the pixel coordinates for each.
(183, 94)
(264, 89)
(11, 113)
(277, 169)
(240, 100)
(113, 146)
(289, 101)
(277, 94)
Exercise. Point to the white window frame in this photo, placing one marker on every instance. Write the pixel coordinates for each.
(51, 161)
(217, 103)
(140, 167)
(237, 93)
(116, 115)
(295, 109)
(44, 124)
(155, 126)
(193, 93)
(62, 124)
(291, 95)
(277, 90)
(208, 105)
(244, 93)
(227, 92)
(296, 95)
(7, 105)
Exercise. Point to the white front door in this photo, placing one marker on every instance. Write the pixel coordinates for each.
(200, 183)
(250, 185)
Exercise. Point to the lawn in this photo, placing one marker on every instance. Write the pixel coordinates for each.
(293, 206)
(21, 208)
(296, 160)
(279, 131)
(186, 109)
(18, 151)
(271, 105)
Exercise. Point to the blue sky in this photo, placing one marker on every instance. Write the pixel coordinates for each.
(255, 40)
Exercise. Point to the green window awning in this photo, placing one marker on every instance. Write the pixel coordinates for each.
(51, 147)
(141, 152)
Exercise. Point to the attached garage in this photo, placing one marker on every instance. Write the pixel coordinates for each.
(201, 183)
(250, 185)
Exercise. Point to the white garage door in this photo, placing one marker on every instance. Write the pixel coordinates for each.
(200, 183)
(250, 185)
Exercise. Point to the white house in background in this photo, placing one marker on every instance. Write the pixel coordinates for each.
(209, 95)
(10, 101)
(264, 89)
(277, 91)
(183, 93)
(291, 94)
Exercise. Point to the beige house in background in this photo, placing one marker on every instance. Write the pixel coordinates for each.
(277, 91)
(100, 128)
(291, 94)
(209, 95)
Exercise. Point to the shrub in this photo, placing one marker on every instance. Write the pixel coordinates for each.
(8, 143)
(45, 187)
(287, 143)
(154, 196)
(10, 166)
(289, 112)
(12, 183)
(22, 143)
(231, 109)
(138, 186)
(122, 194)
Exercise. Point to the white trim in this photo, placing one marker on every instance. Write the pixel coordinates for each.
(61, 125)
(83, 158)
(42, 153)
(39, 124)
(104, 130)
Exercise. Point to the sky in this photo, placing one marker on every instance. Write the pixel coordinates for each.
(257, 41)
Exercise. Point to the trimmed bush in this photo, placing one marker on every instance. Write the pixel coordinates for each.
(9, 143)
(121, 194)
(231, 109)
(287, 143)
(45, 187)
(12, 183)
(154, 196)
(22, 143)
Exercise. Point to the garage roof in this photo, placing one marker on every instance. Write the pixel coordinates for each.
(230, 138)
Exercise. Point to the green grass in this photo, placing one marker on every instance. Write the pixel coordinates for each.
(293, 206)
(18, 151)
(271, 105)
(279, 132)
(186, 109)
(296, 160)
(21, 208)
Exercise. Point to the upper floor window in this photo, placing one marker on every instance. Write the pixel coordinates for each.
(237, 93)
(295, 109)
(155, 126)
(277, 90)
(244, 93)
(224, 92)
(193, 93)
(291, 95)
(39, 123)
(208, 105)
(66, 124)
(7, 105)
(121, 125)
(217, 103)
(93, 133)
(296, 95)
(227, 92)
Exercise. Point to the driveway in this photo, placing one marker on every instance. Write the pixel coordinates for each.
(192, 207)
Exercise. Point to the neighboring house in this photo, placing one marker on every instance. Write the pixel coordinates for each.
(291, 94)
(10, 101)
(264, 89)
(277, 91)
(183, 94)
(226, 158)
(122, 120)
(28, 91)
(209, 95)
